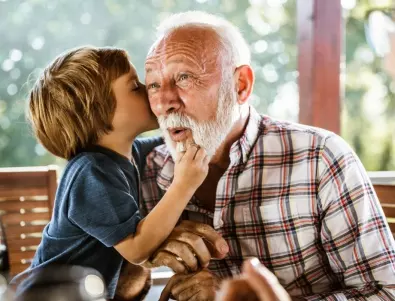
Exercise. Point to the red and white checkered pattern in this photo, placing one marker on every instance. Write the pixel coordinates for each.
(299, 199)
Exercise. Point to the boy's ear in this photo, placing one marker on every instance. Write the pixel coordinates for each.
(244, 80)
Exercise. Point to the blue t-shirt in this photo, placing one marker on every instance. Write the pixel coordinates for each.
(96, 207)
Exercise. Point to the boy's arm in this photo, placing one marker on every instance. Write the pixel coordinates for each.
(101, 204)
(155, 228)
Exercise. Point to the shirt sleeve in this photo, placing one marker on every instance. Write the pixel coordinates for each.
(355, 234)
(101, 203)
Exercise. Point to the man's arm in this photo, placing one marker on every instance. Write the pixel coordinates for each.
(354, 233)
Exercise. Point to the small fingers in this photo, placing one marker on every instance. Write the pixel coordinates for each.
(200, 154)
(179, 156)
(190, 153)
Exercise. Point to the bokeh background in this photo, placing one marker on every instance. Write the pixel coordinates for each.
(33, 32)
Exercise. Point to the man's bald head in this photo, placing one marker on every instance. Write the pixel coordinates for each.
(222, 36)
(201, 45)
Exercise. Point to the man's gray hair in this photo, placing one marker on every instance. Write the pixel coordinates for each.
(238, 52)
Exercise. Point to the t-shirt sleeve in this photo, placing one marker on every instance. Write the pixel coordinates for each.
(102, 204)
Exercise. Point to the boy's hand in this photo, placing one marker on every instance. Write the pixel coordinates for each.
(191, 167)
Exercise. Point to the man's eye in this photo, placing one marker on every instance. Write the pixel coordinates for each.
(153, 86)
(183, 77)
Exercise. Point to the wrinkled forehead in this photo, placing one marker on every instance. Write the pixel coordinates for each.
(195, 45)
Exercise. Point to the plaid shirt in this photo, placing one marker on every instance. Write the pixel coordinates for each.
(299, 199)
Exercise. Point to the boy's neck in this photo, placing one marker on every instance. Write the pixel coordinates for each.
(117, 144)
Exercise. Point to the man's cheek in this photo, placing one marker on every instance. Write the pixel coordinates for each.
(155, 104)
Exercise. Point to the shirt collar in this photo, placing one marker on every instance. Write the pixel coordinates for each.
(239, 152)
(241, 149)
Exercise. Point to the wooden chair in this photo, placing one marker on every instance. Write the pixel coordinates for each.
(26, 201)
(386, 195)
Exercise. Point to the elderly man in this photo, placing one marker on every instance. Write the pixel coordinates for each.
(295, 197)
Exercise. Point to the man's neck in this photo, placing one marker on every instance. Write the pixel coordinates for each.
(118, 144)
(221, 158)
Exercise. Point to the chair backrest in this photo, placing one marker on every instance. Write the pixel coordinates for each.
(386, 195)
(26, 201)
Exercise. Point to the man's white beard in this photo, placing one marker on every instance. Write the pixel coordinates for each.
(207, 134)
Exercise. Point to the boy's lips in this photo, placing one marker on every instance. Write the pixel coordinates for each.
(178, 134)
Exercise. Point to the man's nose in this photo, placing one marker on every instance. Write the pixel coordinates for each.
(167, 101)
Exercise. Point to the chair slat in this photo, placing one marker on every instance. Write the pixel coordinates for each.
(17, 218)
(13, 205)
(19, 257)
(23, 192)
(18, 245)
(15, 269)
(15, 231)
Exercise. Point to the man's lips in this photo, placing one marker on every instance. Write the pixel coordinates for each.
(178, 134)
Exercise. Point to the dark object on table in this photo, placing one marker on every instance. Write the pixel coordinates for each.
(4, 265)
(61, 283)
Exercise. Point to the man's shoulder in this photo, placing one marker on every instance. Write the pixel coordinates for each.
(292, 134)
(280, 136)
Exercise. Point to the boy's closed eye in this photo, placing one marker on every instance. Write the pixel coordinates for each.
(135, 86)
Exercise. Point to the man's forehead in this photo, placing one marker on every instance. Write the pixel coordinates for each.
(191, 45)
(176, 59)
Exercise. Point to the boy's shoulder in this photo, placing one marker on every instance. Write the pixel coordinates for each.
(86, 163)
(86, 160)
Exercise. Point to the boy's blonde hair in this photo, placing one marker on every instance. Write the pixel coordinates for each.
(72, 103)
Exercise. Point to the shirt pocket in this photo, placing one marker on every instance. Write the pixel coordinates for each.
(300, 224)
(285, 226)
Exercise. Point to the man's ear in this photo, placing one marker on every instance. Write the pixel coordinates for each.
(244, 79)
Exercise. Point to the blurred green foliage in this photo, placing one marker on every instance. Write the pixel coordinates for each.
(368, 115)
(33, 32)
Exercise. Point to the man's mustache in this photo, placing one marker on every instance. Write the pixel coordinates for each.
(176, 120)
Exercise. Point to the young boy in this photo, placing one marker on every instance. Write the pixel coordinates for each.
(88, 107)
